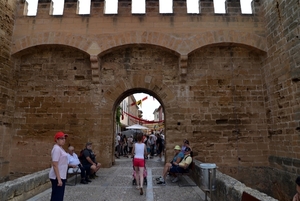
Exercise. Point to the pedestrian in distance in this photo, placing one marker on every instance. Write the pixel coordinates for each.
(130, 143)
(58, 171)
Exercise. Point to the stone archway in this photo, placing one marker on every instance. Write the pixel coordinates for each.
(128, 93)
(98, 44)
(135, 68)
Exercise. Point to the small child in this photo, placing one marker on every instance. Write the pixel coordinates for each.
(297, 195)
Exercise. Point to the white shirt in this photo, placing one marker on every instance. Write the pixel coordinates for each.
(118, 138)
(130, 142)
(59, 155)
(139, 150)
(73, 159)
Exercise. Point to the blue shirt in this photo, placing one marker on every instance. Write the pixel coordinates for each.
(179, 155)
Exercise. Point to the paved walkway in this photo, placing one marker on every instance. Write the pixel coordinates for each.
(115, 184)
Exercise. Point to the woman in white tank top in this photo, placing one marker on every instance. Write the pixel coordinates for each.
(139, 152)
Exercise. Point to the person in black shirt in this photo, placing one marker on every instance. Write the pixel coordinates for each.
(159, 146)
(89, 161)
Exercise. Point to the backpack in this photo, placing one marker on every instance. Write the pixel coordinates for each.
(81, 156)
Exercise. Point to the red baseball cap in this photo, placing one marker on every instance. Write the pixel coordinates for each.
(59, 135)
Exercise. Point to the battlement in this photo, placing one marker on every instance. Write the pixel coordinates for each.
(140, 7)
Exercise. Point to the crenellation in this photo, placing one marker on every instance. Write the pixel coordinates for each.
(233, 7)
(179, 7)
(70, 10)
(124, 7)
(207, 7)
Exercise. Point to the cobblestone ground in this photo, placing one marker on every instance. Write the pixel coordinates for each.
(115, 184)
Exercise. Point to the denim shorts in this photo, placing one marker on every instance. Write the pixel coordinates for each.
(177, 169)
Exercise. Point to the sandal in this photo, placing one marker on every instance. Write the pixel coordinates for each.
(137, 187)
(141, 191)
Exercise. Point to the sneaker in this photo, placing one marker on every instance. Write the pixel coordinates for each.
(158, 178)
(87, 180)
(83, 182)
(161, 183)
(175, 180)
(159, 160)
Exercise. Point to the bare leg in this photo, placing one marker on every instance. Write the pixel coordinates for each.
(166, 170)
(137, 175)
(141, 175)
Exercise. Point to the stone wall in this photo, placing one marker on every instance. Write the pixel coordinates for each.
(282, 76)
(25, 187)
(225, 100)
(229, 83)
(54, 93)
(7, 16)
(281, 71)
(225, 187)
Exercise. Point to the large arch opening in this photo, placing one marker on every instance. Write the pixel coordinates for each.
(136, 68)
(134, 114)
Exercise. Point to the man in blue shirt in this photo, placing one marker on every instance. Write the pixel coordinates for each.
(175, 162)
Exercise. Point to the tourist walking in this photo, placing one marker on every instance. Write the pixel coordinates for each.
(139, 152)
(130, 143)
(58, 171)
(125, 146)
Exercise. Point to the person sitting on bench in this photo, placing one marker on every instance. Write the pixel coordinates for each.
(176, 160)
(179, 167)
(183, 166)
(75, 165)
(89, 161)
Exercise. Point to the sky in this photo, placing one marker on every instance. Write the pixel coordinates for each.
(139, 6)
(148, 105)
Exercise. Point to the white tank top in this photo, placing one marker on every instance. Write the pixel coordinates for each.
(139, 150)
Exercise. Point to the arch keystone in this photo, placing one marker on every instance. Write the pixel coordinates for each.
(94, 48)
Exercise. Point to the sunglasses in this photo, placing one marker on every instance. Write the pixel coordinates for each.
(61, 138)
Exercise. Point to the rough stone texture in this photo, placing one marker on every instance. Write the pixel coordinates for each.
(25, 187)
(229, 83)
(7, 19)
(226, 187)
